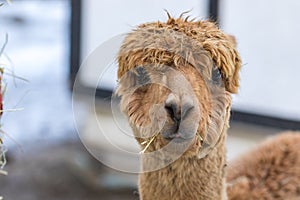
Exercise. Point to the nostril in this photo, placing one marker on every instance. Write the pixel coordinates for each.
(186, 108)
(172, 107)
(172, 110)
(169, 110)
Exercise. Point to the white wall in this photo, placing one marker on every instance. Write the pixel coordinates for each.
(268, 40)
(103, 19)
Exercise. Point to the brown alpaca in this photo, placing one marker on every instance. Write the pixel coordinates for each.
(270, 171)
(163, 106)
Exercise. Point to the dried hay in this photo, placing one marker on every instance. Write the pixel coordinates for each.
(8, 72)
(2, 148)
(148, 143)
(1, 4)
(2, 91)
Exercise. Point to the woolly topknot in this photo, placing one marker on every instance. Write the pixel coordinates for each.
(144, 46)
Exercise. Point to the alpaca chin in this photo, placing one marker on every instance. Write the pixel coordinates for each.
(178, 181)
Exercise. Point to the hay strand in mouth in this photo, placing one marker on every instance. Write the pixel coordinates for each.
(148, 143)
(200, 138)
(145, 142)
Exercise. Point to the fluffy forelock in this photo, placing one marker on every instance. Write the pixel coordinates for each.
(220, 46)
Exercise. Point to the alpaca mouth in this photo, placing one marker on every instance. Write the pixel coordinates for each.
(181, 139)
(178, 137)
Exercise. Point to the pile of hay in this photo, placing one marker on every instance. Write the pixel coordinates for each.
(2, 148)
(2, 90)
(2, 159)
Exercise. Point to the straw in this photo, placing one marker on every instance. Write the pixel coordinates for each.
(148, 144)
(2, 149)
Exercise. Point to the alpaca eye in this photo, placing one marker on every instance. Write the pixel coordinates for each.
(216, 76)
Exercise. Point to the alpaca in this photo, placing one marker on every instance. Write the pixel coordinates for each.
(175, 83)
(270, 171)
(200, 172)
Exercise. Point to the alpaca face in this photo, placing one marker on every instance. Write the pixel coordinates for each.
(183, 105)
(175, 86)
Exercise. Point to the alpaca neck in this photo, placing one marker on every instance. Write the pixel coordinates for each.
(188, 178)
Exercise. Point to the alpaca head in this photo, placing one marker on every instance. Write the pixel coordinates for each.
(175, 80)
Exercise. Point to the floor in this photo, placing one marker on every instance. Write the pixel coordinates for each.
(48, 173)
(66, 171)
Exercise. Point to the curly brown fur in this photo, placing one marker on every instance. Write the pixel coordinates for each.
(269, 172)
(191, 176)
(188, 178)
(137, 48)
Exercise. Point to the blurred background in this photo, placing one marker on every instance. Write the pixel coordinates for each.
(48, 41)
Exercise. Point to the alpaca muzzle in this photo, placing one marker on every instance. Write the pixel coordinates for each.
(180, 126)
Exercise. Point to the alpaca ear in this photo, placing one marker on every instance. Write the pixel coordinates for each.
(232, 40)
(232, 82)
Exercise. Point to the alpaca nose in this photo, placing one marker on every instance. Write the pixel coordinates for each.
(173, 108)
(178, 110)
